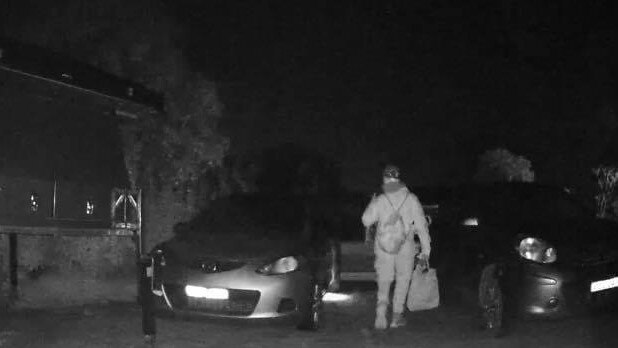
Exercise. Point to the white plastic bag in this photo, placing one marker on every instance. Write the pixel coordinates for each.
(424, 292)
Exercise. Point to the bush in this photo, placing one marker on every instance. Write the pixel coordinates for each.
(607, 178)
(502, 165)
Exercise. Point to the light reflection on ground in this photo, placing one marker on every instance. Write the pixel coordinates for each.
(337, 297)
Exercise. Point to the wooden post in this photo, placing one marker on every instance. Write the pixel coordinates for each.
(139, 216)
(13, 262)
(149, 321)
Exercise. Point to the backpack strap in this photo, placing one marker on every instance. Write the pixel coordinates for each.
(400, 206)
(406, 233)
(396, 210)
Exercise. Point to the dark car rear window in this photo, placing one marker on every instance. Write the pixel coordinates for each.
(502, 203)
(552, 204)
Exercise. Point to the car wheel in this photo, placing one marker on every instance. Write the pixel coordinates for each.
(491, 300)
(311, 310)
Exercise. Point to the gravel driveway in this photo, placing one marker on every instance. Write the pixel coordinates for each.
(347, 325)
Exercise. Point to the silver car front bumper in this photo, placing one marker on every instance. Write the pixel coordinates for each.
(251, 294)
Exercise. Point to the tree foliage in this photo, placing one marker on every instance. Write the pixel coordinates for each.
(138, 41)
(607, 178)
(293, 169)
(502, 165)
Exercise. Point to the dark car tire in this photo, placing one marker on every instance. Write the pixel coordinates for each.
(491, 300)
(311, 311)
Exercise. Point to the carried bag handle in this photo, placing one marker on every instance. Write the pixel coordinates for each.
(427, 266)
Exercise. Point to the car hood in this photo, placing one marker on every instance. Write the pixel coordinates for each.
(229, 248)
(579, 240)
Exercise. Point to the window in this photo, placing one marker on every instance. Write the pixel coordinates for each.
(90, 207)
(34, 202)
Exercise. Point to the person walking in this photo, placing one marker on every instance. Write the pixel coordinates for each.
(398, 215)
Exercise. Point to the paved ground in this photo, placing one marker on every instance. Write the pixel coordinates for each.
(347, 325)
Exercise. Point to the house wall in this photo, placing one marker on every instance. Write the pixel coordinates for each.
(64, 271)
(48, 132)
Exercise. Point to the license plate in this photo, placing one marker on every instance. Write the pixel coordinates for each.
(209, 293)
(604, 284)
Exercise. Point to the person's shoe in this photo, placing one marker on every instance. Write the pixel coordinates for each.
(381, 323)
(398, 320)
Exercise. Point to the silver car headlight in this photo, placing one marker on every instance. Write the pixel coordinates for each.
(537, 250)
(280, 266)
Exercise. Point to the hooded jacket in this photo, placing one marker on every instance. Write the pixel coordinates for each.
(379, 209)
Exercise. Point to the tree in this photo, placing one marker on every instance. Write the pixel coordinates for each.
(294, 169)
(502, 165)
(166, 155)
(607, 178)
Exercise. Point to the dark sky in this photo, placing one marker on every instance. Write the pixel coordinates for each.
(428, 83)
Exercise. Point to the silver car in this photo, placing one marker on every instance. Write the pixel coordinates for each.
(248, 257)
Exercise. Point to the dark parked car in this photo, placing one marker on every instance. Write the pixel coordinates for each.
(256, 256)
(524, 249)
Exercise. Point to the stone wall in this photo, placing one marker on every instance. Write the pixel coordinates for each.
(61, 271)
